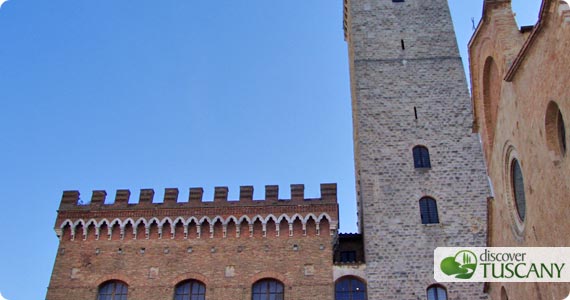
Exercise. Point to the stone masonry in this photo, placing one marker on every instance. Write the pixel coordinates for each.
(404, 62)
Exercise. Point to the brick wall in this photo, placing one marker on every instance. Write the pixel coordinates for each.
(227, 245)
(534, 72)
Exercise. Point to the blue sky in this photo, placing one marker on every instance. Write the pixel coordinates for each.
(146, 94)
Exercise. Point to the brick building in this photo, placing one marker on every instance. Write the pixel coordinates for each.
(420, 178)
(521, 110)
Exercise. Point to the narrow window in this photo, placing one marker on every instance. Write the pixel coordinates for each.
(112, 290)
(415, 112)
(190, 290)
(347, 256)
(268, 289)
(421, 157)
(350, 288)
(436, 292)
(428, 211)
(397, 0)
(555, 130)
(518, 188)
(403, 45)
(561, 133)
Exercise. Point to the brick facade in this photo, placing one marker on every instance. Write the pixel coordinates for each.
(226, 245)
(531, 67)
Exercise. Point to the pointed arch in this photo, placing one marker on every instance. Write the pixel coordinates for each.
(229, 219)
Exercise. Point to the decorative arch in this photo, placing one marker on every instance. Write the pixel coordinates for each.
(492, 82)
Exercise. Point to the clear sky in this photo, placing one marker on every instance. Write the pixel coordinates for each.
(154, 94)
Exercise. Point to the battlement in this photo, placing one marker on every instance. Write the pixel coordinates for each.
(70, 200)
(316, 213)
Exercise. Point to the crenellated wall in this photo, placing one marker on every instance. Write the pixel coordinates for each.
(227, 245)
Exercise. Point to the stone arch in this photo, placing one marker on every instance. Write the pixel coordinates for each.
(229, 219)
(297, 226)
(311, 225)
(167, 228)
(91, 230)
(116, 230)
(153, 229)
(206, 227)
(244, 217)
(283, 226)
(179, 228)
(129, 229)
(192, 228)
(65, 231)
(258, 228)
(218, 227)
(231, 227)
(492, 82)
(271, 227)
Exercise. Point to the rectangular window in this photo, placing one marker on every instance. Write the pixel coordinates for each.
(348, 256)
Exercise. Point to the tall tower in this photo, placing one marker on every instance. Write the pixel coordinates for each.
(410, 99)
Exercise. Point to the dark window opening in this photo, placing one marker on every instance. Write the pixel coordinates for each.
(518, 188)
(421, 157)
(561, 133)
(415, 112)
(190, 290)
(397, 0)
(268, 289)
(350, 288)
(436, 292)
(403, 45)
(113, 290)
(428, 211)
(347, 256)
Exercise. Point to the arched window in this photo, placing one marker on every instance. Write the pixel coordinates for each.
(428, 211)
(190, 290)
(112, 290)
(350, 288)
(421, 157)
(436, 292)
(267, 289)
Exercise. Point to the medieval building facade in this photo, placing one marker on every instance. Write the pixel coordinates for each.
(421, 180)
(521, 110)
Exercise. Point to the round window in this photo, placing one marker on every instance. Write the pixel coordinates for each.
(518, 188)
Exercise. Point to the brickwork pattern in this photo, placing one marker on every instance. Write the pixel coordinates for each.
(227, 245)
(404, 60)
(534, 72)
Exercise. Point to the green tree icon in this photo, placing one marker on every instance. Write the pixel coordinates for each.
(462, 265)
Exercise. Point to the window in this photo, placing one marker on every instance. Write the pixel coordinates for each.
(267, 289)
(428, 211)
(555, 129)
(350, 288)
(190, 290)
(397, 0)
(112, 290)
(436, 292)
(347, 256)
(421, 157)
(518, 188)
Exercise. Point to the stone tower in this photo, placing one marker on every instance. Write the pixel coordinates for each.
(409, 90)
